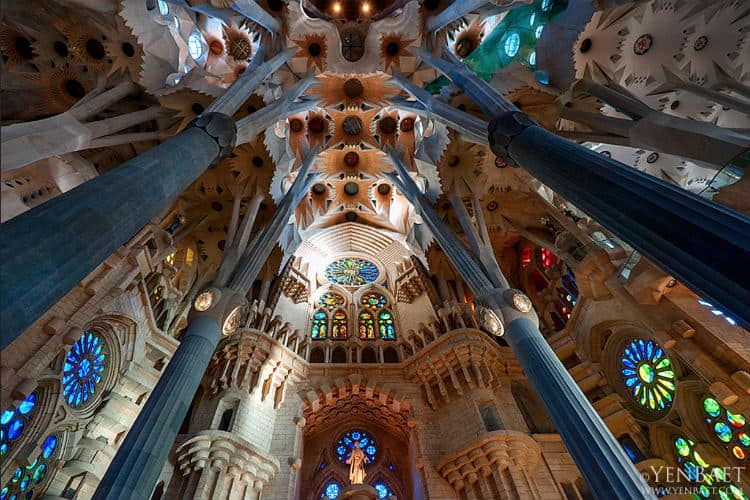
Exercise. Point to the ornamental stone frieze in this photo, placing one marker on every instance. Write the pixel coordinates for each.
(491, 453)
(251, 361)
(459, 362)
(218, 464)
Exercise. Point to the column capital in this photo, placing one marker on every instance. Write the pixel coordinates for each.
(224, 305)
(221, 128)
(508, 305)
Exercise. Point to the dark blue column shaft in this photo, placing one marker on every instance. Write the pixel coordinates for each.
(48, 250)
(599, 457)
(142, 455)
(699, 242)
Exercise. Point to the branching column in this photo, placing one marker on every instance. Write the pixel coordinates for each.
(600, 458)
(694, 239)
(139, 461)
(48, 250)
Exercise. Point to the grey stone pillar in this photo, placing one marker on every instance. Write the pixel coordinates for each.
(47, 251)
(141, 457)
(601, 460)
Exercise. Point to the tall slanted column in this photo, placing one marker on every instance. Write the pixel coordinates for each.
(48, 250)
(508, 312)
(696, 240)
(141, 457)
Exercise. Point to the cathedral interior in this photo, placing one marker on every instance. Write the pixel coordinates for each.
(375, 249)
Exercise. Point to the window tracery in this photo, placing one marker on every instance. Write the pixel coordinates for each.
(83, 369)
(649, 375)
(730, 429)
(376, 319)
(319, 328)
(339, 326)
(14, 421)
(383, 490)
(26, 478)
(346, 444)
(712, 482)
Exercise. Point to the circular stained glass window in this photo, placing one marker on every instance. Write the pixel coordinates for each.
(331, 491)
(351, 271)
(83, 369)
(512, 44)
(648, 373)
(346, 443)
(331, 301)
(383, 490)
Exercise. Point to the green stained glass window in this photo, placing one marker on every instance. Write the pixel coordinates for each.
(730, 429)
(366, 325)
(649, 374)
(385, 326)
(27, 477)
(319, 328)
(710, 480)
(351, 271)
(373, 300)
(331, 301)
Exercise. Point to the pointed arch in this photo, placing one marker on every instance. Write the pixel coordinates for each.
(339, 325)
(319, 326)
(366, 325)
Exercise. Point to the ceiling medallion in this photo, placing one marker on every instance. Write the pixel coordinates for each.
(352, 125)
(700, 43)
(490, 321)
(351, 159)
(643, 44)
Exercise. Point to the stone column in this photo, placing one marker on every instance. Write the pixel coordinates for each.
(49, 250)
(695, 240)
(141, 457)
(600, 458)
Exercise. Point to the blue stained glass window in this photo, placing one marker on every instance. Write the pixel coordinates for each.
(351, 271)
(383, 490)
(346, 443)
(13, 422)
(512, 44)
(385, 326)
(195, 47)
(331, 490)
(319, 328)
(163, 7)
(546, 5)
(532, 58)
(25, 479)
(538, 31)
(648, 373)
(83, 369)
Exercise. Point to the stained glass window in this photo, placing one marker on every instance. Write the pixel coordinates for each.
(731, 429)
(13, 421)
(512, 44)
(331, 301)
(346, 443)
(383, 490)
(319, 328)
(26, 478)
(351, 271)
(711, 481)
(331, 490)
(649, 374)
(366, 325)
(373, 300)
(83, 369)
(385, 326)
(338, 329)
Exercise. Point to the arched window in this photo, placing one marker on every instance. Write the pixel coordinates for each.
(319, 328)
(390, 355)
(730, 429)
(331, 490)
(83, 369)
(317, 355)
(339, 326)
(13, 421)
(648, 373)
(366, 325)
(338, 355)
(385, 325)
(26, 478)
(346, 444)
(377, 305)
(383, 490)
(368, 356)
(711, 481)
(331, 301)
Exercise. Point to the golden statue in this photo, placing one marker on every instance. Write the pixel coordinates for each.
(357, 461)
